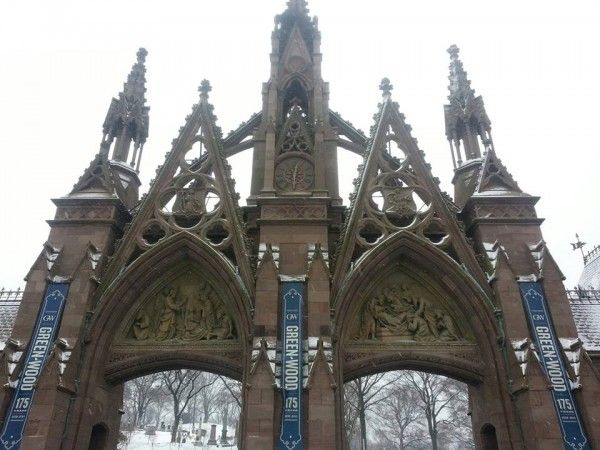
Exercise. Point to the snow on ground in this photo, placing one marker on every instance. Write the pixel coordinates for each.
(162, 440)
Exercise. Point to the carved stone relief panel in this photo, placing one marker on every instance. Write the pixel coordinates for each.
(294, 174)
(187, 309)
(402, 309)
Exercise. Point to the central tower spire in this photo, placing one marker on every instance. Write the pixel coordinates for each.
(295, 147)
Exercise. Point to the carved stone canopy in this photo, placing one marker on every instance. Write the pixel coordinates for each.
(186, 309)
(403, 309)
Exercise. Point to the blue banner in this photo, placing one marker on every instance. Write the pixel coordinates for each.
(551, 357)
(38, 350)
(290, 437)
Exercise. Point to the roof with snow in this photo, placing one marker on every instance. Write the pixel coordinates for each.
(590, 277)
(9, 306)
(586, 312)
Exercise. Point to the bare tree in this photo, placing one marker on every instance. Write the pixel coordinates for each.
(438, 396)
(183, 385)
(457, 427)
(139, 394)
(398, 417)
(362, 395)
(161, 407)
(232, 394)
(209, 396)
(350, 414)
(234, 388)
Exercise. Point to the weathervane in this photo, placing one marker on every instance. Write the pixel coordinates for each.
(579, 245)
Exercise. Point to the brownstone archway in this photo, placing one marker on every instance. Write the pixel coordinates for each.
(415, 271)
(188, 269)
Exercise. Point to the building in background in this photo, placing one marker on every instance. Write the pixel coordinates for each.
(9, 306)
(585, 301)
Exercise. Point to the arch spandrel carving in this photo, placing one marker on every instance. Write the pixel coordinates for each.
(184, 311)
(401, 309)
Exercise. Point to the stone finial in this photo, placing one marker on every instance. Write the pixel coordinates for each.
(300, 6)
(454, 51)
(141, 55)
(204, 89)
(386, 87)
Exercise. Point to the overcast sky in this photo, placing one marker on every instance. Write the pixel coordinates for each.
(536, 63)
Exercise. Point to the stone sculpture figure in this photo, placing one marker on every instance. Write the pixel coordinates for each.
(168, 320)
(190, 201)
(398, 202)
(446, 327)
(188, 310)
(403, 312)
(141, 326)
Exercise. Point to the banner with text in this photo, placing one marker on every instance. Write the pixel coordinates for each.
(38, 350)
(551, 358)
(290, 437)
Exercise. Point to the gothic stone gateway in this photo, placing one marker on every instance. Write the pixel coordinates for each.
(403, 278)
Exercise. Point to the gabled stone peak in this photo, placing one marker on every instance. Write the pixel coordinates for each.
(494, 178)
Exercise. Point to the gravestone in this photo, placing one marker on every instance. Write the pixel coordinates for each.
(213, 435)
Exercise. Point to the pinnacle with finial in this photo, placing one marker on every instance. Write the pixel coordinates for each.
(136, 81)
(460, 85)
(298, 5)
(204, 89)
(386, 87)
(141, 55)
(128, 111)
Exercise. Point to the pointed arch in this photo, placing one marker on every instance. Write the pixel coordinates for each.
(302, 79)
(295, 85)
(140, 365)
(464, 299)
(177, 254)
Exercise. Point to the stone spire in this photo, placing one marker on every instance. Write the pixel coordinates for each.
(460, 86)
(300, 6)
(127, 118)
(466, 120)
(295, 144)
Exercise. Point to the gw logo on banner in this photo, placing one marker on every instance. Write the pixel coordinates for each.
(574, 437)
(37, 353)
(290, 437)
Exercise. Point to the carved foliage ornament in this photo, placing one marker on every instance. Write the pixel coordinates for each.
(294, 174)
(187, 309)
(403, 311)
